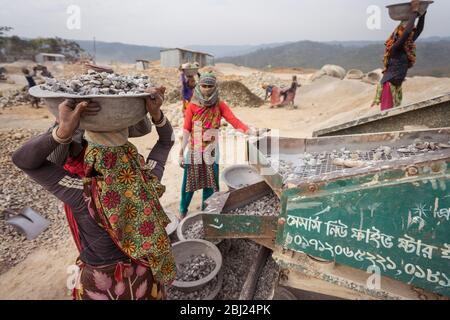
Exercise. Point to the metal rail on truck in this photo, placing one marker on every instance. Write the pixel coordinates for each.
(431, 113)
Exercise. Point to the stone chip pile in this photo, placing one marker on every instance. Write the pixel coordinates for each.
(195, 268)
(269, 205)
(100, 83)
(17, 192)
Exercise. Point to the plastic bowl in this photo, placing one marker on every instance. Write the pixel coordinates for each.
(183, 250)
(118, 111)
(173, 225)
(240, 176)
(401, 11)
(186, 222)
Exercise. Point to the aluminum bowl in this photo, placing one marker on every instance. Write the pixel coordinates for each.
(240, 176)
(401, 11)
(118, 111)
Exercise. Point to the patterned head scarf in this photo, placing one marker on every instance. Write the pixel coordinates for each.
(410, 46)
(212, 99)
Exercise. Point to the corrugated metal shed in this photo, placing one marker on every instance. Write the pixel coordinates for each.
(49, 57)
(175, 57)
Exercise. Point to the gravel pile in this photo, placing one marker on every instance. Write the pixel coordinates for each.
(235, 267)
(194, 231)
(14, 97)
(236, 94)
(423, 147)
(267, 206)
(195, 268)
(202, 294)
(100, 83)
(17, 191)
(267, 280)
(174, 114)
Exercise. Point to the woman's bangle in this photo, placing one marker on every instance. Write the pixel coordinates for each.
(162, 122)
(58, 139)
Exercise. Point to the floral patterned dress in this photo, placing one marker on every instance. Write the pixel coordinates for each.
(125, 202)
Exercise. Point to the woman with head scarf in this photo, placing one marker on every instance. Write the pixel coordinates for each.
(188, 84)
(125, 253)
(399, 56)
(201, 130)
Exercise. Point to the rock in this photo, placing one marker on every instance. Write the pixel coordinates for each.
(330, 70)
(373, 77)
(354, 74)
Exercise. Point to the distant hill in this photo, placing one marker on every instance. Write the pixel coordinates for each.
(128, 53)
(433, 56)
(120, 52)
(232, 51)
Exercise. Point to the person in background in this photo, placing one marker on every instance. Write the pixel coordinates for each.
(289, 94)
(399, 56)
(268, 89)
(188, 84)
(45, 73)
(202, 122)
(31, 83)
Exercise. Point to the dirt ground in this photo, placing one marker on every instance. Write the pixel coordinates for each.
(325, 102)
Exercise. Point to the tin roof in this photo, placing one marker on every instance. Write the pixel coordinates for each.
(52, 55)
(186, 50)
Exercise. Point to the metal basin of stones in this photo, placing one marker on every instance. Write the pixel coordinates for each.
(118, 111)
(187, 222)
(213, 292)
(173, 225)
(183, 250)
(190, 72)
(240, 176)
(401, 11)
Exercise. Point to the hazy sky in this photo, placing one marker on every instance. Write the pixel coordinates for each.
(209, 22)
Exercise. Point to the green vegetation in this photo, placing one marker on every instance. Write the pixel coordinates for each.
(14, 48)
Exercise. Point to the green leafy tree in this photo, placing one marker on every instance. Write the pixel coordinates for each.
(4, 29)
